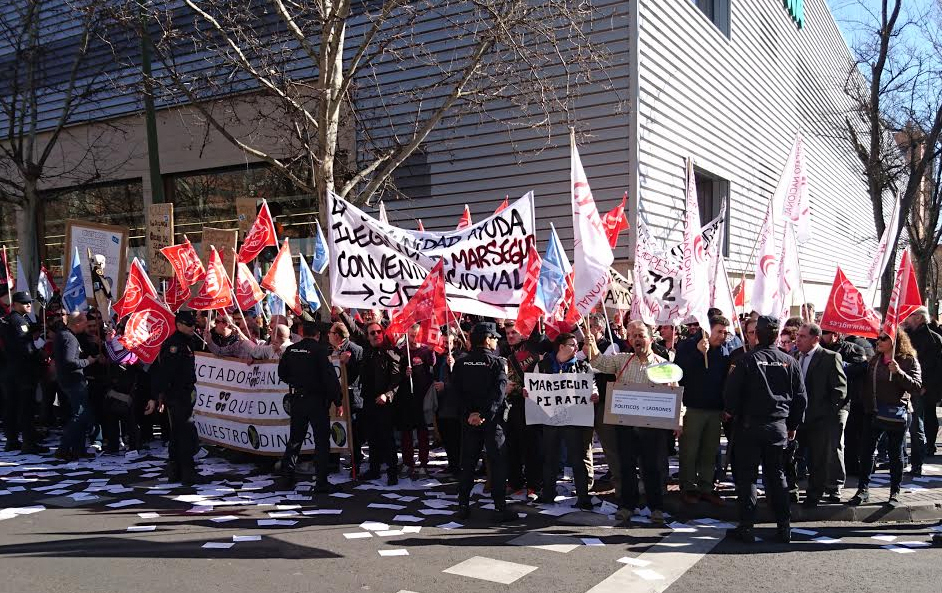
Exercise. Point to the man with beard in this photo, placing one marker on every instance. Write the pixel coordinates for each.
(380, 377)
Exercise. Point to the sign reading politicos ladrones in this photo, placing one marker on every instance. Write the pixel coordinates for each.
(376, 265)
(246, 407)
(559, 399)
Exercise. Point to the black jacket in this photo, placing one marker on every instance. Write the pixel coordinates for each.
(67, 354)
(766, 386)
(928, 345)
(480, 379)
(703, 387)
(380, 373)
(20, 352)
(855, 367)
(307, 368)
(173, 374)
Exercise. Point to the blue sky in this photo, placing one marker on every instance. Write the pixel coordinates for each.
(853, 16)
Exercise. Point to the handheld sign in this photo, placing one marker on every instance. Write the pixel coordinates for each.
(559, 399)
(649, 406)
(664, 373)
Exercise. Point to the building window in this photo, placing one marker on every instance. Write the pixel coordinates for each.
(712, 192)
(717, 11)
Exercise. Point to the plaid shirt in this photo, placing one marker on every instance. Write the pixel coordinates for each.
(626, 367)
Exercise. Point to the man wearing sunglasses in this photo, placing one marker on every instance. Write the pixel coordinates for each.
(380, 376)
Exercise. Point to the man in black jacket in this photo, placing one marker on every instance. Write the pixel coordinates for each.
(854, 359)
(21, 373)
(380, 376)
(765, 394)
(351, 355)
(307, 368)
(481, 380)
(924, 429)
(71, 362)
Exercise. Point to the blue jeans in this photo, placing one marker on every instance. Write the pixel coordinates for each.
(895, 447)
(73, 437)
(917, 432)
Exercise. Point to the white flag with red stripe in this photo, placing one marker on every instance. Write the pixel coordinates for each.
(766, 281)
(695, 261)
(792, 192)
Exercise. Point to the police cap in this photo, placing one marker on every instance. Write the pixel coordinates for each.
(186, 318)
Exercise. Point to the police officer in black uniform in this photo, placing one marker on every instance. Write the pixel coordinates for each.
(765, 396)
(23, 362)
(307, 368)
(173, 381)
(480, 378)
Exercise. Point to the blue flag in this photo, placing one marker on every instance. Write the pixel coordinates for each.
(276, 306)
(73, 297)
(551, 286)
(321, 255)
(306, 287)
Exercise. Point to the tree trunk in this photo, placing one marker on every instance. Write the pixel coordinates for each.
(27, 234)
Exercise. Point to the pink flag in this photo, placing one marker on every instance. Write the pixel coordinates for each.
(695, 261)
(592, 254)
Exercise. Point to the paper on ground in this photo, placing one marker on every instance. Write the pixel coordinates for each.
(358, 535)
(246, 538)
(218, 545)
(450, 525)
(142, 528)
(592, 541)
(399, 552)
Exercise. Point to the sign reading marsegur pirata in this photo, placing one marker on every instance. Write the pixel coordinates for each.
(246, 407)
(559, 399)
(377, 265)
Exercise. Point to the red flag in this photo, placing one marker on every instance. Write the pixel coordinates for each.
(905, 296)
(739, 294)
(615, 221)
(846, 311)
(216, 291)
(11, 283)
(465, 221)
(147, 328)
(428, 307)
(176, 295)
(261, 235)
(138, 284)
(248, 293)
(528, 315)
(281, 280)
(185, 262)
(421, 228)
(502, 206)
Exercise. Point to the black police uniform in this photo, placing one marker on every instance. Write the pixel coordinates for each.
(380, 372)
(174, 383)
(765, 393)
(306, 367)
(22, 374)
(480, 379)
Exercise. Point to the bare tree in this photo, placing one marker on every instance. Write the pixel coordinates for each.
(53, 65)
(290, 82)
(897, 86)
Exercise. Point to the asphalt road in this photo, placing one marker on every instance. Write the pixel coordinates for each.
(76, 542)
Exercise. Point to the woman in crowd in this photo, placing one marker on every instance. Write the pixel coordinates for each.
(563, 360)
(893, 375)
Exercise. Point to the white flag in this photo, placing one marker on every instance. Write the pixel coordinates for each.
(592, 253)
(766, 282)
(882, 257)
(642, 307)
(789, 276)
(695, 262)
(382, 213)
(792, 192)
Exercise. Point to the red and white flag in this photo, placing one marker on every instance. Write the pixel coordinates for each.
(421, 226)
(503, 205)
(528, 315)
(766, 283)
(147, 328)
(792, 192)
(592, 254)
(616, 221)
(176, 294)
(789, 274)
(138, 284)
(846, 312)
(695, 261)
(428, 307)
(261, 235)
(739, 295)
(465, 221)
(248, 292)
(881, 258)
(281, 280)
(905, 297)
(185, 262)
(216, 291)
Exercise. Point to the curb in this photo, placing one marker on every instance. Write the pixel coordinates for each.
(823, 513)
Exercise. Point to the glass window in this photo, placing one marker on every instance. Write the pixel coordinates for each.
(717, 11)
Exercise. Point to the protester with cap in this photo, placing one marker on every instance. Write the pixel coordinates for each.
(480, 379)
(307, 368)
(23, 367)
(173, 381)
(765, 395)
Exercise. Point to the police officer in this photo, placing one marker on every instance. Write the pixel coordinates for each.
(307, 368)
(765, 396)
(23, 362)
(480, 378)
(173, 378)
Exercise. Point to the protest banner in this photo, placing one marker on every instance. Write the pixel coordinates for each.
(559, 399)
(650, 406)
(111, 241)
(225, 241)
(159, 235)
(246, 209)
(243, 407)
(618, 295)
(376, 265)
